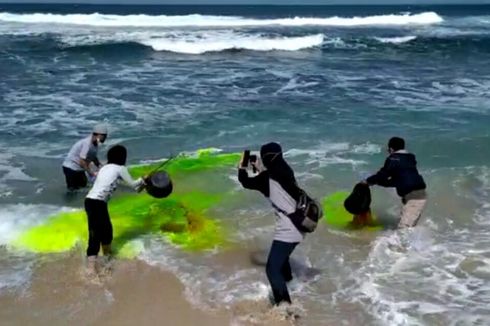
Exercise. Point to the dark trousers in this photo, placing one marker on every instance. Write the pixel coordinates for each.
(75, 179)
(278, 269)
(99, 225)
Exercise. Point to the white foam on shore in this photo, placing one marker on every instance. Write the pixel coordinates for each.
(342, 153)
(205, 287)
(387, 285)
(17, 218)
(16, 267)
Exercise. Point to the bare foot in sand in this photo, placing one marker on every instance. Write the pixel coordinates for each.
(106, 266)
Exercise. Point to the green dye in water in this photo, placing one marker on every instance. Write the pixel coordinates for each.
(181, 218)
(337, 217)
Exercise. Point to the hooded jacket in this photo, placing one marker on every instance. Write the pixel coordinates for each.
(399, 171)
(278, 184)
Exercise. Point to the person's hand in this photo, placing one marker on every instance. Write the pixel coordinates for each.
(255, 167)
(143, 184)
(241, 161)
(92, 176)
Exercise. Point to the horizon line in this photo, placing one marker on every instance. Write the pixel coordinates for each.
(248, 4)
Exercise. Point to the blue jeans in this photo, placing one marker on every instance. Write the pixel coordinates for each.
(278, 269)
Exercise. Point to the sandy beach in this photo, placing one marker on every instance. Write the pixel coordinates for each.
(135, 294)
(132, 293)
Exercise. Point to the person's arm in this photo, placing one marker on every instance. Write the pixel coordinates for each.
(383, 176)
(259, 182)
(387, 183)
(97, 162)
(86, 166)
(136, 184)
(84, 162)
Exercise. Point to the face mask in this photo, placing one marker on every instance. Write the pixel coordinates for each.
(98, 141)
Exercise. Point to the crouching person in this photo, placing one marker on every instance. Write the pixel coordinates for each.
(400, 171)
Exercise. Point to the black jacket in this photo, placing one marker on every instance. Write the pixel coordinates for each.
(399, 171)
(277, 169)
(278, 184)
(259, 182)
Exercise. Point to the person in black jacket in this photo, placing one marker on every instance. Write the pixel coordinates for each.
(278, 184)
(400, 171)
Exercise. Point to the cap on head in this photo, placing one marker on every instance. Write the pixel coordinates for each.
(100, 129)
(396, 144)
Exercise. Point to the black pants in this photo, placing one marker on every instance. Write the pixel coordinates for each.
(75, 179)
(278, 269)
(99, 225)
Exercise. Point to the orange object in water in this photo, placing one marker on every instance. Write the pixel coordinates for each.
(362, 219)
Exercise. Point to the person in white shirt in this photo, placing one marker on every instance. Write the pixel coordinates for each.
(99, 222)
(77, 163)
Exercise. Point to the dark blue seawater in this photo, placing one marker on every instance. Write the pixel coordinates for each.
(331, 83)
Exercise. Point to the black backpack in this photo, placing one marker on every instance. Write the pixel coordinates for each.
(359, 201)
(307, 214)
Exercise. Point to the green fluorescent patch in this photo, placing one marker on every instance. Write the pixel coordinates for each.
(181, 218)
(337, 217)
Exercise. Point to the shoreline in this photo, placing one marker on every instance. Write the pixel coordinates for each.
(134, 293)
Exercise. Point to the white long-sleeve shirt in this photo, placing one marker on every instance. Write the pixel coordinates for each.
(107, 180)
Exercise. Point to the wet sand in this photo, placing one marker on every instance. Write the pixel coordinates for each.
(133, 293)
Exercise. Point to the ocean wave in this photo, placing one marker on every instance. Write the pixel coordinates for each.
(16, 267)
(239, 43)
(396, 40)
(323, 149)
(198, 43)
(326, 154)
(96, 19)
(16, 218)
(482, 21)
